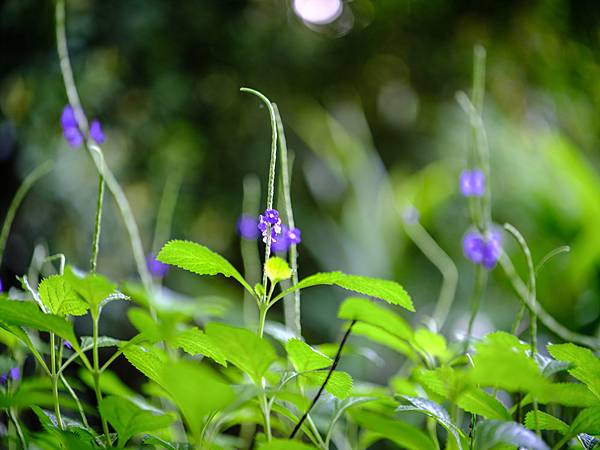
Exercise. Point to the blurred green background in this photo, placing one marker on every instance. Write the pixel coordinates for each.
(369, 95)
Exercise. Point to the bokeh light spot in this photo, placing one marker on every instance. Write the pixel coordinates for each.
(319, 12)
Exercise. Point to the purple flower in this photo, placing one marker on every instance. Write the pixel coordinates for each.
(12, 374)
(282, 243)
(1, 287)
(156, 268)
(483, 250)
(247, 227)
(269, 220)
(272, 216)
(294, 235)
(68, 345)
(472, 183)
(72, 132)
(96, 132)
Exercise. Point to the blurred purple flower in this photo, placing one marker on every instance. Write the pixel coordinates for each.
(294, 235)
(157, 269)
(68, 345)
(472, 183)
(282, 243)
(72, 132)
(12, 374)
(483, 250)
(1, 286)
(247, 227)
(96, 132)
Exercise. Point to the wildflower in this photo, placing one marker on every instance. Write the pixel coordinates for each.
(157, 269)
(270, 220)
(1, 287)
(472, 183)
(483, 250)
(12, 374)
(288, 237)
(294, 235)
(247, 227)
(68, 345)
(72, 132)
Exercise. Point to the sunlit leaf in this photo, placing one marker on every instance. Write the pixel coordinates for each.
(195, 342)
(545, 421)
(60, 298)
(489, 433)
(339, 384)
(304, 358)
(586, 366)
(93, 288)
(367, 311)
(277, 269)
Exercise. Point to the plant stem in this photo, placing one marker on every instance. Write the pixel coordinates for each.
(249, 248)
(75, 398)
(15, 421)
(518, 319)
(97, 225)
(291, 303)
(166, 208)
(262, 315)
(28, 182)
(54, 378)
(480, 282)
(96, 374)
(322, 387)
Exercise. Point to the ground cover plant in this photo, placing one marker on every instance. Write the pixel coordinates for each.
(212, 384)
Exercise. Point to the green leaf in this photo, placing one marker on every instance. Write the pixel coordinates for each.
(27, 314)
(384, 338)
(109, 383)
(243, 349)
(489, 433)
(586, 364)
(198, 259)
(401, 433)
(93, 288)
(196, 390)
(284, 444)
(195, 342)
(435, 411)
(567, 394)
(389, 291)
(431, 343)
(129, 420)
(545, 421)
(87, 342)
(367, 311)
(587, 421)
(147, 359)
(477, 401)
(339, 384)
(305, 358)
(60, 298)
(277, 269)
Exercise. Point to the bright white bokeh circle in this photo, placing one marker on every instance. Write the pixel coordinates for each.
(319, 12)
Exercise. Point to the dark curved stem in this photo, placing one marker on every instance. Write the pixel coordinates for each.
(322, 388)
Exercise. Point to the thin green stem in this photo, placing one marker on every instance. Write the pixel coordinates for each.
(272, 165)
(291, 303)
(76, 398)
(262, 315)
(440, 259)
(480, 283)
(97, 225)
(518, 319)
(96, 374)
(110, 360)
(54, 378)
(28, 182)
(166, 209)
(15, 420)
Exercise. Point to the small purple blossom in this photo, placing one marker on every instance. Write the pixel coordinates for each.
(472, 183)
(12, 374)
(157, 269)
(270, 219)
(282, 243)
(68, 345)
(247, 227)
(72, 133)
(272, 216)
(294, 235)
(96, 132)
(483, 250)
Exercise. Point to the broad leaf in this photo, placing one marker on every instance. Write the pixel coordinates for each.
(93, 288)
(27, 314)
(129, 420)
(59, 297)
(305, 358)
(433, 344)
(384, 338)
(147, 359)
(369, 312)
(490, 433)
(545, 421)
(477, 401)
(243, 349)
(586, 364)
(195, 342)
(277, 269)
(339, 384)
(389, 291)
(587, 421)
(198, 259)
(401, 433)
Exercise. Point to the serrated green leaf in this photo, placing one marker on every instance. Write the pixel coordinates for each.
(367, 311)
(195, 342)
(147, 359)
(339, 384)
(60, 298)
(401, 433)
(382, 337)
(389, 291)
(284, 444)
(586, 366)
(243, 349)
(567, 394)
(27, 314)
(277, 269)
(198, 259)
(129, 419)
(545, 421)
(432, 343)
(144, 323)
(305, 358)
(587, 421)
(87, 342)
(476, 401)
(435, 411)
(489, 433)
(197, 390)
(93, 288)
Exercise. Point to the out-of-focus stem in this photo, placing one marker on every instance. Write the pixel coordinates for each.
(249, 248)
(166, 208)
(480, 283)
(98, 224)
